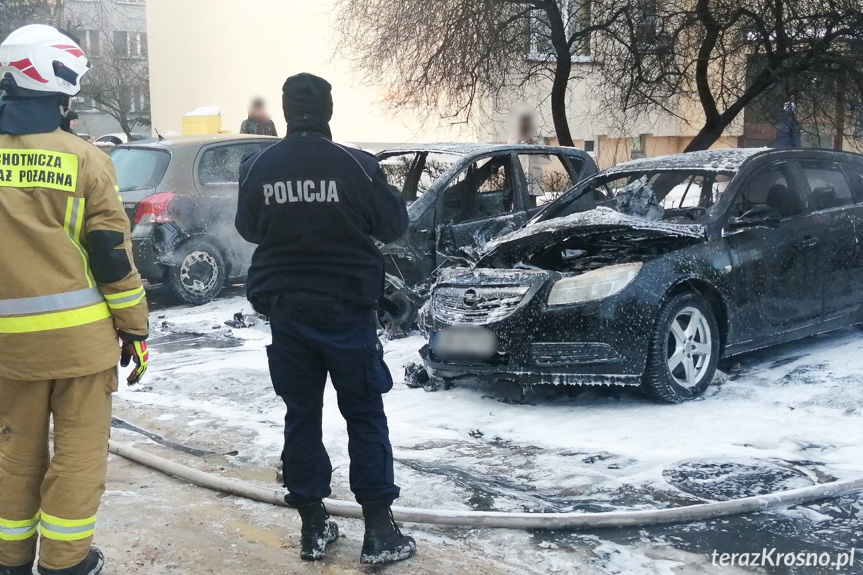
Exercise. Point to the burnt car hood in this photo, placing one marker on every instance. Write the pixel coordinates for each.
(601, 221)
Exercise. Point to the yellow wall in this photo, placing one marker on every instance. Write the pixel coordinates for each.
(612, 151)
(224, 52)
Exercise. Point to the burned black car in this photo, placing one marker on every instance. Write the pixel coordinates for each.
(650, 272)
(460, 197)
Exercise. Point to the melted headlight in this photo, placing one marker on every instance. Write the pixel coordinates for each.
(595, 285)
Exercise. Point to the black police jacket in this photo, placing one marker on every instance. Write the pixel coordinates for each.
(313, 207)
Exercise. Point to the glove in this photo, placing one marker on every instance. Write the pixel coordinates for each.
(137, 351)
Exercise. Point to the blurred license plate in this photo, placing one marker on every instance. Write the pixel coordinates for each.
(464, 341)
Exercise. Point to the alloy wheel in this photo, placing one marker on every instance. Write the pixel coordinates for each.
(689, 347)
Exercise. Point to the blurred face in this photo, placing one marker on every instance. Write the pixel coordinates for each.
(525, 127)
(259, 111)
(73, 124)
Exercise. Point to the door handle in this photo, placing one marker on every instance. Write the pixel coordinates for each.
(809, 241)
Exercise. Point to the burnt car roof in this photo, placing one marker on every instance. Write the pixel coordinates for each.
(470, 149)
(724, 160)
(197, 140)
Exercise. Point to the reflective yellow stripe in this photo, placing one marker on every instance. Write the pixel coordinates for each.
(73, 223)
(67, 529)
(18, 530)
(38, 169)
(125, 299)
(56, 320)
(67, 522)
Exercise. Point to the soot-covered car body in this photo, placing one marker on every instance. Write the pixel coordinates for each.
(651, 271)
(181, 198)
(460, 196)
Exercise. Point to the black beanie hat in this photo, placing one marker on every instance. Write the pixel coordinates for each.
(307, 96)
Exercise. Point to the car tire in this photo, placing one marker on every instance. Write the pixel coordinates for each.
(403, 312)
(199, 274)
(684, 350)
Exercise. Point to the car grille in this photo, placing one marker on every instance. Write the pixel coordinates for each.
(565, 353)
(476, 305)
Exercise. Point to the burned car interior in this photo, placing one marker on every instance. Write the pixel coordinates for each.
(682, 196)
(485, 189)
(460, 197)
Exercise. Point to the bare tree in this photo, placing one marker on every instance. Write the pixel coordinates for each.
(118, 81)
(454, 56)
(16, 13)
(701, 61)
(724, 55)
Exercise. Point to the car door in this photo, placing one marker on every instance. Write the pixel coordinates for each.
(831, 195)
(775, 276)
(483, 201)
(217, 179)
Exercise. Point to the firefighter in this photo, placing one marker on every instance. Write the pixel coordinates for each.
(314, 208)
(71, 306)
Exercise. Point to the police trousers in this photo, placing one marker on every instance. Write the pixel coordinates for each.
(57, 496)
(315, 335)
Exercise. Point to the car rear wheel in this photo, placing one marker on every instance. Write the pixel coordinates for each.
(399, 310)
(684, 350)
(199, 274)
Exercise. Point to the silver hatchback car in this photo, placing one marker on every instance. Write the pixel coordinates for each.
(181, 198)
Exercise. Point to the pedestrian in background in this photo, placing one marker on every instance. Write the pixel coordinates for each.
(259, 122)
(315, 209)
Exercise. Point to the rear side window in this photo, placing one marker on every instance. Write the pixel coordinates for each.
(828, 186)
(397, 169)
(221, 165)
(139, 168)
(546, 175)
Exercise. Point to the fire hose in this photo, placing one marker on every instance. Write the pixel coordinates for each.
(510, 520)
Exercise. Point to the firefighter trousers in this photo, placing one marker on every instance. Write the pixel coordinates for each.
(57, 496)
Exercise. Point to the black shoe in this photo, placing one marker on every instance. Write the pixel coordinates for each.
(26, 569)
(91, 565)
(318, 531)
(384, 543)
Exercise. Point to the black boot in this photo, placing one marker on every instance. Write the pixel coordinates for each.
(91, 565)
(20, 570)
(384, 543)
(318, 531)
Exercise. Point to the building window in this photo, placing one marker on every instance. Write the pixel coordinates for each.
(589, 146)
(139, 99)
(91, 42)
(130, 44)
(646, 23)
(637, 146)
(576, 16)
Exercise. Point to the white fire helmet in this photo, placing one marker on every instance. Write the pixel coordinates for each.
(43, 59)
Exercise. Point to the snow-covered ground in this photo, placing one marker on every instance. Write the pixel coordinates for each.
(782, 418)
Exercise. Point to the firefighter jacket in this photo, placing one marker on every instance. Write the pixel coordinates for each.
(68, 287)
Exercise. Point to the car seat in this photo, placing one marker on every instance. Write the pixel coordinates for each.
(784, 202)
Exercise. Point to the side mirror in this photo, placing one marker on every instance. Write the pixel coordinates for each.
(759, 216)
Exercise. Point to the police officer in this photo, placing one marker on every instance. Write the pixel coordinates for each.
(314, 207)
(71, 306)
